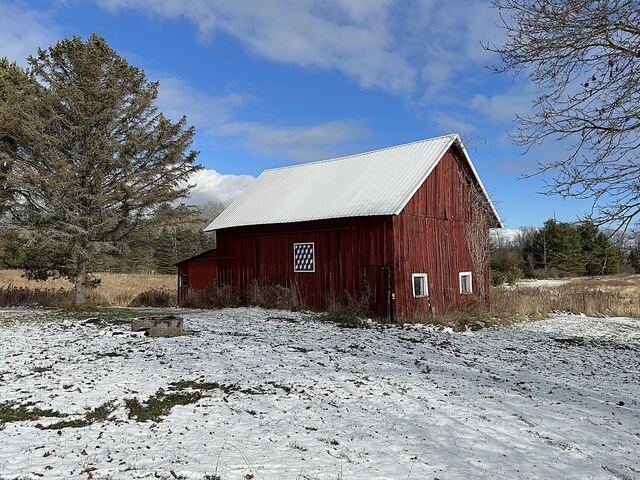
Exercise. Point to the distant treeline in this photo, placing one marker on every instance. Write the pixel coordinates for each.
(561, 249)
(155, 246)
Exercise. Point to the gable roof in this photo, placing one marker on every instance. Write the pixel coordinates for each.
(380, 182)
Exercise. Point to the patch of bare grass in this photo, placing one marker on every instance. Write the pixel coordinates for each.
(471, 316)
(115, 289)
(159, 405)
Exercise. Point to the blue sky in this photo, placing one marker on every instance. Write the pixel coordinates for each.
(278, 82)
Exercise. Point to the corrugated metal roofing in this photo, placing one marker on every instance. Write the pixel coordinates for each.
(380, 182)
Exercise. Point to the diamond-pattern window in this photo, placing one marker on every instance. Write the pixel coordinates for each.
(304, 259)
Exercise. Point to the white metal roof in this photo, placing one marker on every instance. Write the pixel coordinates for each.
(380, 182)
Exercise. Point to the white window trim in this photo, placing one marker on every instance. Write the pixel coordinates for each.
(413, 284)
(313, 261)
(465, 274)
(183, 280)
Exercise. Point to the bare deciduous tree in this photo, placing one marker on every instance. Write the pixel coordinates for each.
(584, 55)
(476, 220)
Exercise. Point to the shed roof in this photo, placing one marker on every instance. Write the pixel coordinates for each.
(380, 182)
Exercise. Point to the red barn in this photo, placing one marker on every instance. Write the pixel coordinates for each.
(408, 223)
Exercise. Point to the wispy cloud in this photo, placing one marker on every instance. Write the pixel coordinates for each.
(298, 143)
(177, 97)
(355, 37)
(502, 107)
(23, 30)
(423, 52)
(218, 118)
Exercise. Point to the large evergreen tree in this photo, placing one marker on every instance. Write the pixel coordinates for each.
(600, 256)
(90, 156)
(557, 246)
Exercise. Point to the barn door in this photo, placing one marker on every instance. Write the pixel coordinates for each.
(378, 280)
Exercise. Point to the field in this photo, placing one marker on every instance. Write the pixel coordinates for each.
(116, 289)
(266, 394)
(616, 295)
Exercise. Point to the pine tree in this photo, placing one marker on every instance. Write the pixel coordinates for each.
(601, 257)
(556, 246)
(95, 158)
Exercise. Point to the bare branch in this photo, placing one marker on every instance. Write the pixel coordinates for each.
(584, 55)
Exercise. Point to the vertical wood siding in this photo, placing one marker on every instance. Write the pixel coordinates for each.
(429, 238)
(343, 248)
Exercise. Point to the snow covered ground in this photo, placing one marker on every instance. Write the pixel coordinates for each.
(300, 399)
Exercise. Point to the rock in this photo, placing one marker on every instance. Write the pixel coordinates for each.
(475, 326)
(159, 326)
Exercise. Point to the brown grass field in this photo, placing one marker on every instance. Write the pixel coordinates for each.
(616, 295)
(117, 289)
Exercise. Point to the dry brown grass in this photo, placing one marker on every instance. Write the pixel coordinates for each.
(617, 295)
(118, 289)
(459, 317)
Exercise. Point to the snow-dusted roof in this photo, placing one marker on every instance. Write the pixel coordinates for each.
(380, 182)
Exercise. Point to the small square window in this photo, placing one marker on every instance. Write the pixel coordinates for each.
(183, 280)
(419, 285)
(466, 287)
(304, 257)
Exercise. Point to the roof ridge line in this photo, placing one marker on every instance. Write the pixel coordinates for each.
(362, 153)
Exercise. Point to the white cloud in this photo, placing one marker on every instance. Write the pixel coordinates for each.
(302, 143)
(355, 37)
(452, 123)
(23, 30)
(502, 107)
(216, 187)
(216, 118)
(177, 97)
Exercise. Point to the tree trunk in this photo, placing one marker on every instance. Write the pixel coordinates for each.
(80, 290)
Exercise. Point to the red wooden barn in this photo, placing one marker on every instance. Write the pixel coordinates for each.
(409, 224)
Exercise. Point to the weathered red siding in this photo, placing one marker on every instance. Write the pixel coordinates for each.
(429, 238)
(379, 252)
(345, 250)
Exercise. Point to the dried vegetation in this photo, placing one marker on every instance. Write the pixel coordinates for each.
(116, 289)
(617, 295)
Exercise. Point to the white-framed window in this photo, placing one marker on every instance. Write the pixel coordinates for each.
(304, 257)
(419, 285)
(466, 286)
(183, 280)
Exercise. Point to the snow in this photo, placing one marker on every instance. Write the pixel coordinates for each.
(542, 282)
(557, 398)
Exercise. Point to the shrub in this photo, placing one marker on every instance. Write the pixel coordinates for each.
(155, 298)
(45, 297)
(515, 273)
(213, 296)
(346, 308)
(460, 317)
(274, 296)
(497, 279)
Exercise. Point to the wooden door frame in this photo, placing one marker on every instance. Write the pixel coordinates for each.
(389, 296)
